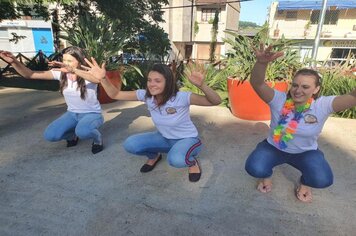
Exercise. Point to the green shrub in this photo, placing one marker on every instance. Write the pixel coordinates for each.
(338, 84)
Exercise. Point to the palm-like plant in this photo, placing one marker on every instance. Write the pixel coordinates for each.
(98, 35)
(241, 58)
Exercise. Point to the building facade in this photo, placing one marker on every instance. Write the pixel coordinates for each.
(189, 25)
(299, 20)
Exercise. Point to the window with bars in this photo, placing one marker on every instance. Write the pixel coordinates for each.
(342, 53)
(208, 14)
(331, 17)
(291, 14)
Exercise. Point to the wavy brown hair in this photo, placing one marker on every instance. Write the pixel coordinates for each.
(79, 55)
(171, 88)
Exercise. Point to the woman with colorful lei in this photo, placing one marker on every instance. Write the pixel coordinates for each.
(297, 119)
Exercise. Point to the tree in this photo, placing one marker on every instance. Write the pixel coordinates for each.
(214, 33)
(246, 24)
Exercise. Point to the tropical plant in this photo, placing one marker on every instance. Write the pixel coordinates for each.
(339, 80)
(211, 79)
(241, 58)
(98, 36)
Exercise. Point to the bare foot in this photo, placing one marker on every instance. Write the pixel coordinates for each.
(151, 162)
(265, 185)
(304, 193)
(194, 169)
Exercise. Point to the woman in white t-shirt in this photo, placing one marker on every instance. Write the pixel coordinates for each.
(297, 120)
(169, 109)
(83, 116)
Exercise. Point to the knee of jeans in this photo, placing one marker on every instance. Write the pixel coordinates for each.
(51, 137)
(257, 171)
(130, 146)
(82, 133)
(176, 161)
(320, 181)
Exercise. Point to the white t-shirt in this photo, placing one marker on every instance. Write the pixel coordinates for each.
(172, 119)
(309, 127)
(72, 96)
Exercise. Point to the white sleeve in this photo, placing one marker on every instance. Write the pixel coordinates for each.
(56, 74)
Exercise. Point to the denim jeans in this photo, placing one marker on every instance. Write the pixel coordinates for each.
(316, 172)
(181, 152)
(69, 125)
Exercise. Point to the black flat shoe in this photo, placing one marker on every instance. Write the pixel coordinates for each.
(72, 143)
(147, 168)
(195, 177)
(95, 148)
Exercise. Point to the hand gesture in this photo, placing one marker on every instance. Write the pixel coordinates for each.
(195, 74)
(60, 66)
(266, 55)
(94, 69)
(7, 56)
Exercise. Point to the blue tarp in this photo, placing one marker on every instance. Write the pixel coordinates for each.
(315, 4)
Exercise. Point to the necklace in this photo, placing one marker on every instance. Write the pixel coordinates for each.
(283, 133)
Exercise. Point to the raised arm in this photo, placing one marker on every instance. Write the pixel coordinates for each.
(97, 74)
(22, 69)
(263, 57)
(210, 97)
(345, 101)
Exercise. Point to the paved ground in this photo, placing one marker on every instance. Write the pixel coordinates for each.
(47, 189)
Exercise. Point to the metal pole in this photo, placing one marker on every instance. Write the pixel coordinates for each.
(317, 36)
(191, 21)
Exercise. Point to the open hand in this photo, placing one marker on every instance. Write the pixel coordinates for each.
(94, 69)
(195, 74)
(60, 66)
(266, 55)
(7, 56)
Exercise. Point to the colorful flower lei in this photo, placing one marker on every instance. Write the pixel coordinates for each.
(283, 133)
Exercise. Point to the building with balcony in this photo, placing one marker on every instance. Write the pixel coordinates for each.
(299, 20)
(189, 24)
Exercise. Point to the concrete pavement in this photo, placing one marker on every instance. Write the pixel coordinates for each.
(48, 189)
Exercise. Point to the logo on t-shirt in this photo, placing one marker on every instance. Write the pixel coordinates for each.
(171, 110)
(310, 119)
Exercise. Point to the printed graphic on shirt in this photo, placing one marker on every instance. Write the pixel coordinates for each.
(171, 110)
(310, 119)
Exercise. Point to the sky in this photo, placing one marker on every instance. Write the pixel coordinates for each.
(255, 11)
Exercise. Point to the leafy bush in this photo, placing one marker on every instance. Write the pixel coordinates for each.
(336, 84)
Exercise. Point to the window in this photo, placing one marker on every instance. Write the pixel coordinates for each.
(342, 52)
(208, 14)
(291, 15)
(331, 17)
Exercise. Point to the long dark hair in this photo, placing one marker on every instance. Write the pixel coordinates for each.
(170, 88)
(317, 79)
(78, 54)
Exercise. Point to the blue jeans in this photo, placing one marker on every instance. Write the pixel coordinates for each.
(69, 125)
(181, 152)
(316, 172)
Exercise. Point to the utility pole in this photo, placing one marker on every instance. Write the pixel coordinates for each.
(317, 36)
(191, 21)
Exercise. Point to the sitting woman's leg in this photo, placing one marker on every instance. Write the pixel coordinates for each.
(316, 173)
(88, 125)
(61, 128)
(260, 164)
(184, 152)
(261, 161)
(148, 144)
